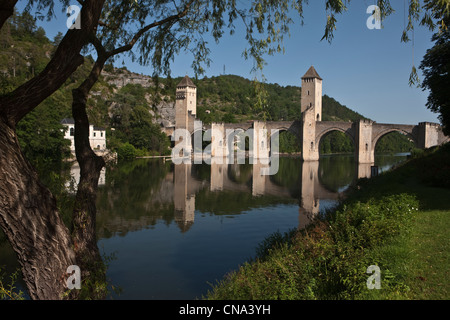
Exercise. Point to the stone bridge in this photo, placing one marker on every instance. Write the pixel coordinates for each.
(364, 135)
(309, 130)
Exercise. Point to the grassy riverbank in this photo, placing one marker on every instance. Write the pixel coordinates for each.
(398, 221)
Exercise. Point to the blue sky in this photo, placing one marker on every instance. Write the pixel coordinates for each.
(366, 70)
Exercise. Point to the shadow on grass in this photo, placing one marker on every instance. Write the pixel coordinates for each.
(426, 177)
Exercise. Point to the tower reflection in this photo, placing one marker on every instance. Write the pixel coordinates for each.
(306, 186)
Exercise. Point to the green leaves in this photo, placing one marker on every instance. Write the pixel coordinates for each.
(436, 69)
(8, 291)
(135, 133)
(333, 8)
(329, 28)
(414, 77)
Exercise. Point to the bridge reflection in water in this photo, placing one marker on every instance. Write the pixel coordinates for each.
(145, 193)
(308, 191)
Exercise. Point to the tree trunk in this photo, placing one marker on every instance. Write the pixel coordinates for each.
(31, 221)
(6, 10)
(84, 214)
(84, 233)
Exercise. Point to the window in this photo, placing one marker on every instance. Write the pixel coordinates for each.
(72, 132)
(94, 134)
(312, 146)
(101, 134)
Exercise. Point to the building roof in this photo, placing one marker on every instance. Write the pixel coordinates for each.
(311, 73)
(71, 121)
(186, 82)
(67, 121)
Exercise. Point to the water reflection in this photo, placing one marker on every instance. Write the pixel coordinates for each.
(75, 174)
(141, 194)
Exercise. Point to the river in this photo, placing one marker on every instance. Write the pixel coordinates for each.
(171, 231)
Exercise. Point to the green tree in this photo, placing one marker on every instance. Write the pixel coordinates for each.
(436, 70)
(145, 134)
(57, 39)
(228, 118)
(41, 137)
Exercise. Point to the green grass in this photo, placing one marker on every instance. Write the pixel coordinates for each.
(420, 259)
(398, 221)
(430, 256)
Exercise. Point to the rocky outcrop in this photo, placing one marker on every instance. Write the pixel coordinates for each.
(163, 113)
(122, 77)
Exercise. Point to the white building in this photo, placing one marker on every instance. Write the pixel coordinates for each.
(97, 136)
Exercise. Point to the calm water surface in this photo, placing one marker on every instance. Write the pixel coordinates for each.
(170, 231)
(175, 230)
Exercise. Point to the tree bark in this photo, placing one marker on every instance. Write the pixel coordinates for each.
(84, 232)
(31, 221)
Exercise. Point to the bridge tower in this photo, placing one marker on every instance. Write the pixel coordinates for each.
(186, 103)
(430, 135)
(185, 110)
(311, 107)
(364, 148)
(312, 93)
(310, 150)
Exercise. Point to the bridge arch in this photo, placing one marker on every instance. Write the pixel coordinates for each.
(240, 138)
(202, 140)
(377, 137)
(283, 130)
(348, 133)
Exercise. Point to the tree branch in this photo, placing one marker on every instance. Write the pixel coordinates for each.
(136, 37)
